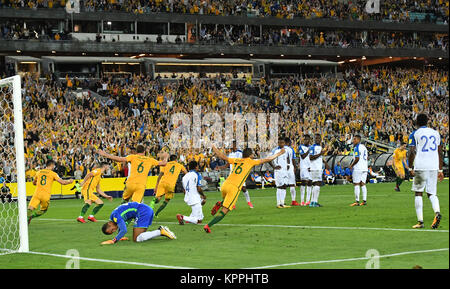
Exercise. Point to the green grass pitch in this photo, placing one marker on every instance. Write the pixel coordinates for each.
(333, 236)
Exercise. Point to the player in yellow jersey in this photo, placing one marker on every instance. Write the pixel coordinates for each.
(140, 165)
(43, 181)
(399, 164)
(89, 185)
(232, 186)
(167, 180)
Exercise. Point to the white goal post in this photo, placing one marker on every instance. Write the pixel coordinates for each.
(14, 215)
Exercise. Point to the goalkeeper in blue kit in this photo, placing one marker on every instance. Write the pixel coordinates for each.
(143, 216)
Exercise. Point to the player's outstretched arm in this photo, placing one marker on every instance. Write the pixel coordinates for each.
(272, 157)
(441, 162)
(165, 158)
(64, 182)
(90, 174)
(157, 181)
(102, 193)
(411, 156)
(219, 154)
(111, 157)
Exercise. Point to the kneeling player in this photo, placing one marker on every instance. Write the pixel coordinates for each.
(233, 184)
(124, 214)
(194, 196)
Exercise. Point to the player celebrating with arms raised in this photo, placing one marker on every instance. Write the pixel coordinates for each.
(139, 168)
(425, 159)
(232, 186)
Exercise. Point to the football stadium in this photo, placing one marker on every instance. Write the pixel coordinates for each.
(227, 134)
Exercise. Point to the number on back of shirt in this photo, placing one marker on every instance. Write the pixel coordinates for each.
(430, 143)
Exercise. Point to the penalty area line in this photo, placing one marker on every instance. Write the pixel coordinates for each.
(106, 260)
(349, 259)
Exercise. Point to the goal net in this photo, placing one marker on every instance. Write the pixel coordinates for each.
(13, 210)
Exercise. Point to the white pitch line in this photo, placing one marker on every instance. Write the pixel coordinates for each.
(292, 226)
(348, 260)
(108, 261)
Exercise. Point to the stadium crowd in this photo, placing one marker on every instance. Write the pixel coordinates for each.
(211, 34)
(378, 103)
(391, 10)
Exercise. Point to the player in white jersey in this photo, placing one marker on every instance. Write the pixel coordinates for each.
(316, 163)
(425, 159)
(360, 169)
(291, 171)
(280, 166)
(194, 196)
(235, 153)
(305, 174)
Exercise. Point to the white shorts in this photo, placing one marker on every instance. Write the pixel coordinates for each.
(425, 181)
(197, 212)
(281, 178)
(291, 176)
(316, 175)
(359, 176)
(305, 175)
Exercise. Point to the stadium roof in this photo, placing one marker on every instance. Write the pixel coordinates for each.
(22, 58)
(297, 61)
(198, 61)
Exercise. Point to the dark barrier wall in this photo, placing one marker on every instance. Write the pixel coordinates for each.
(210, 19)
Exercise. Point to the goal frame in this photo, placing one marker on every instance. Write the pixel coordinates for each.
(15, 81)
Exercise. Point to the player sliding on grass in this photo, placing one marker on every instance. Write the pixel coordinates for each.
(91, 184)
(139, 168)
(43, 182)
(124, 214)
(167, 180)
(232, 186)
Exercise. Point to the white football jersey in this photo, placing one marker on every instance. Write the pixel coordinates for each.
(426, 140)
(304, 163)
(282, 160)
(190, 182)
(291, 155)
(360, 151)
(315, 165)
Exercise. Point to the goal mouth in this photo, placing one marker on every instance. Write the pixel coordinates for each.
(13, 211)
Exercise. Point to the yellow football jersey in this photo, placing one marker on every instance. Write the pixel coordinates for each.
(140, 166)
(399, 157)
(93, 181)
(44, 181)
(241, 169)
(171, 172)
